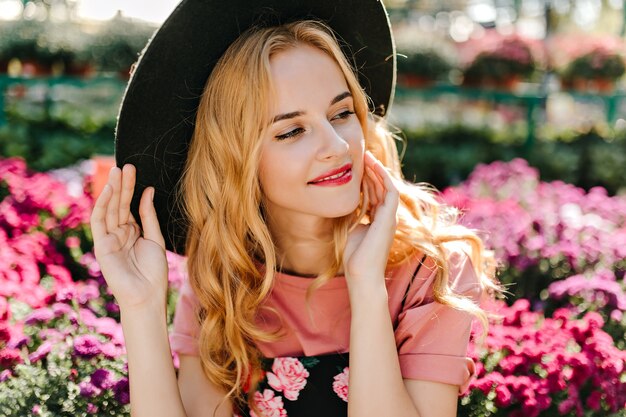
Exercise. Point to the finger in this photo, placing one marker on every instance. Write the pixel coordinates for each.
(386, 180)
(97, 222)
(128, 188)
(112, 215)
(366, 193)
(379, 189)
(149, 220)
(374, 201)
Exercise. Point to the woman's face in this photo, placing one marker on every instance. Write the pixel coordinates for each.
(312, 155)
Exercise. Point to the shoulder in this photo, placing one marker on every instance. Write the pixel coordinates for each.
(463, 277)
(418, 274)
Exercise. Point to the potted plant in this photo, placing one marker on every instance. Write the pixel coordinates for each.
(116, 48)
(596, 70)
(418, 68)
(511, 61)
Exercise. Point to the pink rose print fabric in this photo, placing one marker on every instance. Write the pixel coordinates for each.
(340, 384)
(303, 386)
(288, 376)
(269, 404)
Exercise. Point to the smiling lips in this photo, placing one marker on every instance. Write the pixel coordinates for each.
(335, 177)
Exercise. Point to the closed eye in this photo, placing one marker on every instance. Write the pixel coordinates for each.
(344, 114)
(290, 134)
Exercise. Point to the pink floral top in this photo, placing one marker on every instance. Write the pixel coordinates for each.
(431, 338)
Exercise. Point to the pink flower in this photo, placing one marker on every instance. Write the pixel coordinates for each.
(288, 376)
(595, 401)
(340, 386)
(503, 396)
(9, 357)
(269, 404)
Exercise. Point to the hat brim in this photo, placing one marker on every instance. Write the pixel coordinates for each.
(157, 115)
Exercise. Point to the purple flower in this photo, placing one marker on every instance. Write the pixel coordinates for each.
(102, 378)
(41, 315)
(122, 394)
(87, 346)
(88, 390)
(5, 374)
(62, 309)
(41, 352)
(112, 307)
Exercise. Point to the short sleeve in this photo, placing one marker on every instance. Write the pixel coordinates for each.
(432, 338)
(184, 335)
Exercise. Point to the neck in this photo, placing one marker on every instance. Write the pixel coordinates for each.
(304, 244)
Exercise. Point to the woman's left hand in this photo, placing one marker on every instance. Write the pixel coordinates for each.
(367, 248)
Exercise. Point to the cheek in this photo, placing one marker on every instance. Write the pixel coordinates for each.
(278, 172)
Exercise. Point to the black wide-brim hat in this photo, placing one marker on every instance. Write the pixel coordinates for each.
(156, 119)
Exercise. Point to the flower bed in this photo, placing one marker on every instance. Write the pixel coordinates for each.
(59, 326)
(62, 349)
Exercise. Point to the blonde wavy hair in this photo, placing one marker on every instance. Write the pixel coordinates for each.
(221, 198)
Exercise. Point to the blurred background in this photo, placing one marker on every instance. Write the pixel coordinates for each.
(515, 109)
(478, 81)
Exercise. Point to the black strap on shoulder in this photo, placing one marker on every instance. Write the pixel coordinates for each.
(406, 293)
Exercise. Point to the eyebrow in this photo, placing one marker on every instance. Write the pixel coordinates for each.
(297, 113)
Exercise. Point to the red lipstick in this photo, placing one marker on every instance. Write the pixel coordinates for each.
(336, 176)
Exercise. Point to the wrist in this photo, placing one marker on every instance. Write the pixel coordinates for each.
(149, 310)
(367, 291)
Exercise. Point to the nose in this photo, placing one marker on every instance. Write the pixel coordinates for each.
(331, 144)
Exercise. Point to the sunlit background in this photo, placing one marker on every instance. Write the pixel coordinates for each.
(515, 109)
(88, 10)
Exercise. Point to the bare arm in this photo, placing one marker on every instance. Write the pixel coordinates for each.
(376, 386)
(199, 395)
(134, 265)
(152, 378)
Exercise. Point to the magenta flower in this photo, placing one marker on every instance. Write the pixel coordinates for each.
(87, 346)
(5, 311)
(533, 363)
(41, 315)
(5, 333)
(102, 378)
(9, 357)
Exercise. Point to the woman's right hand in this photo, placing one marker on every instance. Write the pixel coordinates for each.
(134, 267)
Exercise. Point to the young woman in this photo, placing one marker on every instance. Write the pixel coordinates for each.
(320, 282)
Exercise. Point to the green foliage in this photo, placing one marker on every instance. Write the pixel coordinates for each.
(426, 64)
(52, 147)
(118, 44)
(597, 64)
(512, 58)
(114, 47)
(446, 156)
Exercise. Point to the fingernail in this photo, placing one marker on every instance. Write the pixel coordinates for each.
(152, 195)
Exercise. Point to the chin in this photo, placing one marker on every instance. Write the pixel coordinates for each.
(345, 209)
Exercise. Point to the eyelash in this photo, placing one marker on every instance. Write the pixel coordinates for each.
(295, 132)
